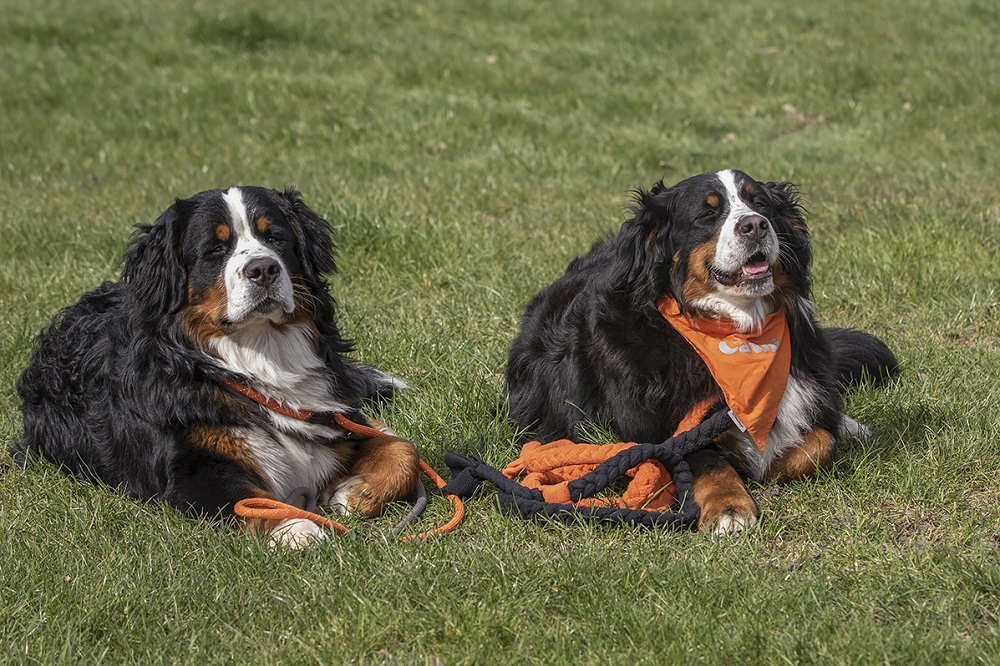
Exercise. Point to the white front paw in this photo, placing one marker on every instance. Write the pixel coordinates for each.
(296, 533)
(731, 525)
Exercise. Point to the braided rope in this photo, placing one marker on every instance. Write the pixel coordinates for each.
(468, 472)
(670, 453)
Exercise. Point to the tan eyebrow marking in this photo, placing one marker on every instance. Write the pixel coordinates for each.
(750, 189)
(222, 232)
(712, 200)
(262, 225)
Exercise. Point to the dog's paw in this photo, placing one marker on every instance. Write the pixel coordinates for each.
(731, 524)
(356, 494)
(362, 498)
(728, 518)
(347, 495)
(296, 533)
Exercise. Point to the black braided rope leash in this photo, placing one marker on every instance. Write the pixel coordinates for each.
(468, 472)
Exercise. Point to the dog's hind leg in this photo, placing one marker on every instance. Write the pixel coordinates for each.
(814, 454)
(385, 469)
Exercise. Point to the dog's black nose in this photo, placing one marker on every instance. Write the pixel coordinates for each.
(754, 226)
(262, 271)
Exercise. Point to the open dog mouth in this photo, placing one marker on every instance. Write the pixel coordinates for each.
(755, 270)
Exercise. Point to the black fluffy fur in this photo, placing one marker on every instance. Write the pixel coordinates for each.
(116, 382)
(593, 346)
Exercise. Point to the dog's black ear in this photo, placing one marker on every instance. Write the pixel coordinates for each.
(645, 245)
(784, 201)
(313, 236)
(789, 219)
(153, 265)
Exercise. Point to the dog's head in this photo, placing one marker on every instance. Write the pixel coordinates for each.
(223, 260)
(721, 244)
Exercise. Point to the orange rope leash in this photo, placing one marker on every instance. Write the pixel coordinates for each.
(356, 428)
(457, 517)
(270, 509)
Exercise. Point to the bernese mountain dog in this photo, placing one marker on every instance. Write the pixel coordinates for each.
(612, 340)
(143, 383)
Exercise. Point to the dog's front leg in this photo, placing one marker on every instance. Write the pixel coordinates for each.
(726, 506)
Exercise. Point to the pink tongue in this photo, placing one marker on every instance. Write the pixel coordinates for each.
(755, 268)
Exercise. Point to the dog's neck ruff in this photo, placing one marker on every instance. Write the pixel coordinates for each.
(752, 370)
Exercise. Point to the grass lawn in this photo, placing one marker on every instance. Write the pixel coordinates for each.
(465, 152)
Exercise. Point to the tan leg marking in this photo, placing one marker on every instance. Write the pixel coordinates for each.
(726, 506)
(814, 454)
(385, 469)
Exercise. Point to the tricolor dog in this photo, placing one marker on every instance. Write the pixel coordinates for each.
(703, 294)
(134, 384)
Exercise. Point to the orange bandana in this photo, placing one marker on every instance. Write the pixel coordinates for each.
(751, 370)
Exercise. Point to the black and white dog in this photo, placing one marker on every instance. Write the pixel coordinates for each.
(716, 248)
(132, 384)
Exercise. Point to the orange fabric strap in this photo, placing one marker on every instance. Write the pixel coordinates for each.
(551, 467)
(751, 369)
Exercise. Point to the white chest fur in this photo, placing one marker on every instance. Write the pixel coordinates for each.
(292, 462)
(283, 365)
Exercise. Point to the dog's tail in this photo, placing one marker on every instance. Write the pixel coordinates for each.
(377, 387)
(860, 358)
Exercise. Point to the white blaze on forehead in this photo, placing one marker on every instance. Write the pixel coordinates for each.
(237, 210)
(246, 242)
(239, 290)
(737, 207)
